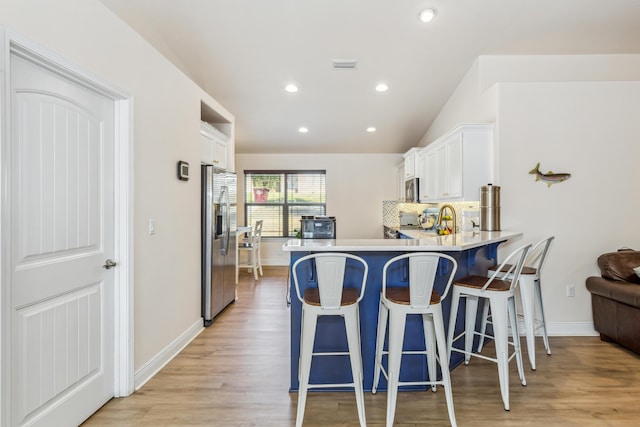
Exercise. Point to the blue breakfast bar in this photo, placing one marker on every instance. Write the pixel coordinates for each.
(474, 252)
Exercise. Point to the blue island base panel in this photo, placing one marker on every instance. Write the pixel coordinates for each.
(331, 335)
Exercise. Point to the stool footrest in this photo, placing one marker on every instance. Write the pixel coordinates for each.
(481, 356)
(411, 383)
(330, 385)
(331, 353)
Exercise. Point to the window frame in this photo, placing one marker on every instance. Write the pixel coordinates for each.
(285, 204)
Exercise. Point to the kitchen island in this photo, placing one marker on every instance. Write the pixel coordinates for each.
(474, 252)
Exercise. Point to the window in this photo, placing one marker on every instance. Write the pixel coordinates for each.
(280, 198)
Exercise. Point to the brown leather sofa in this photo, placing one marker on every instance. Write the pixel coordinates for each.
(615, 298)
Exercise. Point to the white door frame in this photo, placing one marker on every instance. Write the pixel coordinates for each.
(123, 185)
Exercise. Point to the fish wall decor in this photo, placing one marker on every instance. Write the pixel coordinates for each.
(549, 177)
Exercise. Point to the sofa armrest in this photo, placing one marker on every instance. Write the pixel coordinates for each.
(624, 292)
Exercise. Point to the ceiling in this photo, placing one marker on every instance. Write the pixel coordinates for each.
(244, 52)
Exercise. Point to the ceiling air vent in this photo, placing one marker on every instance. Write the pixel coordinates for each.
(344, 64)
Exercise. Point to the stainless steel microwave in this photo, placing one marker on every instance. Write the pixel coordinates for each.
(412, 190)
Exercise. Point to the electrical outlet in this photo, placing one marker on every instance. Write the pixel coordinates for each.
(571, 291)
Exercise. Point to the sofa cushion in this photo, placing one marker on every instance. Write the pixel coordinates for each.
(614, 290)
(619, 266)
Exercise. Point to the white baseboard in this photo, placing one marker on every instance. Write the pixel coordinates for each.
(273, 262)
(565, 329)
(158, 362)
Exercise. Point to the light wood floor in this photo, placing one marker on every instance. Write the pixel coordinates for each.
(236, 373)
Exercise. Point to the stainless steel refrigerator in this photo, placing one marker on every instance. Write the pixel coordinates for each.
(219, 196)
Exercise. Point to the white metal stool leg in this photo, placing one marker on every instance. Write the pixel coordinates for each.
(444, 365)
(455, 302)
(430, 346)
(383, 315)
(351, 325)
(516, 339)
(501, 336)
(470, 325)
(309, 321)
(527, 295)
(396, 337)
(542, 320)
(483, 327)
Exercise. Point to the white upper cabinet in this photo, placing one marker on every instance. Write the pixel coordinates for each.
(458, 163)
(428, 182)
(410, 160)
(214, 146)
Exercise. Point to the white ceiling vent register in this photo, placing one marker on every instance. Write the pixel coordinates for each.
(344, 64)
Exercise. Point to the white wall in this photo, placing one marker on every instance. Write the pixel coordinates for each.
(356, 186)
(166, 129)
(471, 102)
(588, 127)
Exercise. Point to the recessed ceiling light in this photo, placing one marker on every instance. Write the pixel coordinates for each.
(371, 129)
(291, 88)
(427, 15)
(382, 87)
(303, 129)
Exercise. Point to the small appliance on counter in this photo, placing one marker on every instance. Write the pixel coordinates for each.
(429, 218)
(318, 227)
(408, 218)
(470, 220)
(490, 208)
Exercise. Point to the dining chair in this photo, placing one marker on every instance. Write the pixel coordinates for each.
(251, 246)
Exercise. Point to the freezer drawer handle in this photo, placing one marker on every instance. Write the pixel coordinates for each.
(109, 264)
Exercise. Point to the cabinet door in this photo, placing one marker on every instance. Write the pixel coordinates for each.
(441, 184)
(220, 153)
(400, 181)
(207, 148)
(410, 166)
(454, 167)
(428, 183)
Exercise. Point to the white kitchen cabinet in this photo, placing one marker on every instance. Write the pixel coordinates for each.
(400, 181)
(428, 190)
(410, 160)
(213, 146)
(458, 164)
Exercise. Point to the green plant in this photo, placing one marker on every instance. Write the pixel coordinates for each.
(269, 182)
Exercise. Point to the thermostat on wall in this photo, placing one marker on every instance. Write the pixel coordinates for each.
(183, 171)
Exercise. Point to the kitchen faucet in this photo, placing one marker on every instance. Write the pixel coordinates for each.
(453, 216)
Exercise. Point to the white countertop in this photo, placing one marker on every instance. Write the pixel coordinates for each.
(420, 241)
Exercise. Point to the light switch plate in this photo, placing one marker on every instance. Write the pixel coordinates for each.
(152, 226)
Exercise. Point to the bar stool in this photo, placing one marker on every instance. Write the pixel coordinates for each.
(330, 298)
(500, 295)
(252, 247)
(418, 298)
(530, 294)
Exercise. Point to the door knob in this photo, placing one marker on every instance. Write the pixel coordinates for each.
(109, 264)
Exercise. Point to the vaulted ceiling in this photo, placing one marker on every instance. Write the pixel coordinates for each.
(244, 53)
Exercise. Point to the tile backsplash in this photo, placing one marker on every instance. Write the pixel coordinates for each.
(391, 210)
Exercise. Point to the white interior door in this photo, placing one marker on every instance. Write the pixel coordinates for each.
(62, 232)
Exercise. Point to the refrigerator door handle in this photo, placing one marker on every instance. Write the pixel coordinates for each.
(224, 196)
